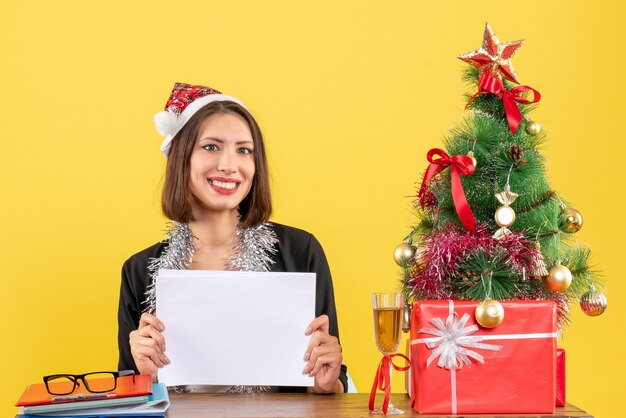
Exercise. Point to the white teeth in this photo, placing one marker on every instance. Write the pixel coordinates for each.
(224, 185)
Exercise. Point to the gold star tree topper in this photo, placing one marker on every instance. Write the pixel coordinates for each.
(494, 57)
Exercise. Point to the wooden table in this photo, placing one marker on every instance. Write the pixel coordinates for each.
(196, 405)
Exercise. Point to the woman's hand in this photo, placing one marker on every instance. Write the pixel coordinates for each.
(323, 357)
(147, 346)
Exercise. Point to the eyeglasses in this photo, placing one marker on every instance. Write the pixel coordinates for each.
(94, 382)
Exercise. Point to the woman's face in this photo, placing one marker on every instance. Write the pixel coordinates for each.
(222, 164)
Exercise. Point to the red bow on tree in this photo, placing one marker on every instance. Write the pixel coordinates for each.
(460, 165)
(490, 84)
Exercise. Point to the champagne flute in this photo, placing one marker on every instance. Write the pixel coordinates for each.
(387, 331)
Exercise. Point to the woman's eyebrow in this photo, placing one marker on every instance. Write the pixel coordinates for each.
(211, 138)
(221, 141)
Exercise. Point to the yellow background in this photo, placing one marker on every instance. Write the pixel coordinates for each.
(351, 95)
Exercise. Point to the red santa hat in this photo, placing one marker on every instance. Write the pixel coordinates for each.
(185, 100)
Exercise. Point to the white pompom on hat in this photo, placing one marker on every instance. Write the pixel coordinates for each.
(185, 100)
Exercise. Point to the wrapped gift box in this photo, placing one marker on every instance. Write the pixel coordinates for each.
(511, 367)
(560, 377)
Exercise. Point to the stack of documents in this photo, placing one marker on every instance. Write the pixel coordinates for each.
(143, 400)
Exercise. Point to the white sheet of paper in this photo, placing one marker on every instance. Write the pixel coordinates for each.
(235, 328)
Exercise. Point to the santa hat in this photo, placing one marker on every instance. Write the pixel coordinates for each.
(183, 103)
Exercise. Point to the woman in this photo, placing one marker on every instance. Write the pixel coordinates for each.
(217, 193)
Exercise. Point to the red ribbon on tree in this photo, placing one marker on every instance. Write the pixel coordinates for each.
(460, 165)
(382, 381)
(490, 84)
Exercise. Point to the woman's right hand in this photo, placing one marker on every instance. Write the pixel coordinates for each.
(147, 346)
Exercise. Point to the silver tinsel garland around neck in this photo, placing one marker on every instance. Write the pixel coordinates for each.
(253, 249)
(177, 256)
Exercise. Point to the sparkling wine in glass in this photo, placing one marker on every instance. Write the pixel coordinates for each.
(388, 311)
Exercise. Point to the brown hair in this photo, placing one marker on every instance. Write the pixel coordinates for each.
(254, 209)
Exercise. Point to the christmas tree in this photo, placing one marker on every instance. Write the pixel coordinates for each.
(490, 226)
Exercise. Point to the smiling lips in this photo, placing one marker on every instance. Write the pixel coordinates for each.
(224, 185)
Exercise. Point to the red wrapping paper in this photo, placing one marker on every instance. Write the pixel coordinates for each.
(520, 378)
(560, 377)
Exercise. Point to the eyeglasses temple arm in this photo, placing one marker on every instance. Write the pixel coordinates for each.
(127, 373)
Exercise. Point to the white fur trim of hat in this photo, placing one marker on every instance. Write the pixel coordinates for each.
(168, 123)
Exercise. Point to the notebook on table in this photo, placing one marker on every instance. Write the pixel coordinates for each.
(154, 407)
(37, 394)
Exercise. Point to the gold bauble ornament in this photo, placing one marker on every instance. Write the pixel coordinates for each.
(559, 278)
(471, 155)
(570, 220)
(532, 128)
(489, 313)
(593, 303)
(403, 253)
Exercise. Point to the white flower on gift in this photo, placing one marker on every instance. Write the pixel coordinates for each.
(453, 342)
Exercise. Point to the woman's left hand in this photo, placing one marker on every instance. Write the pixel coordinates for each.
(323, 357)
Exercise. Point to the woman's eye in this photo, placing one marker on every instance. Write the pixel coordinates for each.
(210, 147)
(244, 150)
